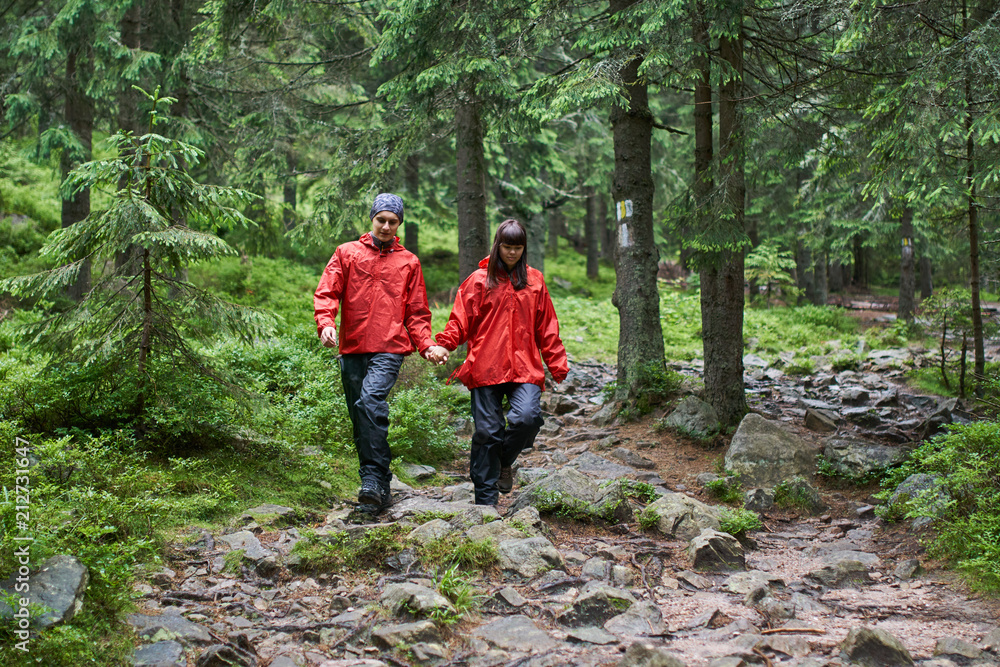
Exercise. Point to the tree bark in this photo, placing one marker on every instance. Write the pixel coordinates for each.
(926, 278)
(723, 278)
(821, 278)
(79, 114)
(860, 278)
(804, 278)
(557, 227)
(473, 226)
(608, 238)
(979, 369)
(411, 228)
(592, 233)
(640, 341)
(907, 277)
(835, 276)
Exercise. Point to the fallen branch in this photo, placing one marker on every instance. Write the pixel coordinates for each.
(811, 631)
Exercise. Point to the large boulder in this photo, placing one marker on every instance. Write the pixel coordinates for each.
(528, 557)
(853, 457)
(694, 417)
(763, 453)
(712, 550)
(408, 598)
(683, 517)
(596, 605)
(58, 587)
(571, 493)
(874, 647)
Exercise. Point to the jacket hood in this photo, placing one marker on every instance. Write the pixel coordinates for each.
(484, 262)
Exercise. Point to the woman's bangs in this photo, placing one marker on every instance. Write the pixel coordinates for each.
(511, 234)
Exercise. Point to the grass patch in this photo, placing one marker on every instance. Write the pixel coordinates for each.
(460, 552)
(350, 549)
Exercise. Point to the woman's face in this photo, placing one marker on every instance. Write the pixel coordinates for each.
(510, 254)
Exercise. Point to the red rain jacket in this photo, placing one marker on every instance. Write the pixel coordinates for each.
(509, 331)
(381, 298)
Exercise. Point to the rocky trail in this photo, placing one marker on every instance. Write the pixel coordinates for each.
(596, 570)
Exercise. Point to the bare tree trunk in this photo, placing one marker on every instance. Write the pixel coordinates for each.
(411, 228)
(926, 278)
(592, 232)
(907, 278)
(557, 228)
(804, 277)
(473, 226)
(722, 281)
(835, 278)
(640, 341)
(822, 292)
(979, 370)
(860, 278)
(79, 114)
(609, 240)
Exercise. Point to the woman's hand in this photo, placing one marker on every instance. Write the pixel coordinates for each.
(436, 354)
(328, 336)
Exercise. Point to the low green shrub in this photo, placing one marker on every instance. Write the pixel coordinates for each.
(966, 460)
(739, 521)
(726, 490)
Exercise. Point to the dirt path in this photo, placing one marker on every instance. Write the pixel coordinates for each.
(602, 589)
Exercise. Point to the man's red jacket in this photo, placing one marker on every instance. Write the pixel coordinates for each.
(381, 298)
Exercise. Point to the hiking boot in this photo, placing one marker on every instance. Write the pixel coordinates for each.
(506, 481)
(370, 493)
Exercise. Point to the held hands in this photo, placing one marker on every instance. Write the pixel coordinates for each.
(328, 336)
(436, 354)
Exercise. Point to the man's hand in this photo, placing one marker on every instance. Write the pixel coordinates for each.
(436, 354)
(328, 336)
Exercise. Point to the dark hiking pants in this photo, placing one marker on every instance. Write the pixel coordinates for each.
(367, 379)
(498, 438)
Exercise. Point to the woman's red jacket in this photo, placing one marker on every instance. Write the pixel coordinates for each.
(381, 298)
(509, 331)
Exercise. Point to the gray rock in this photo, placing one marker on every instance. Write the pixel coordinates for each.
(683, 517)
(694, 417)
(418, 471)
(957, 647)
(728, 661)
(413, 598)
(558, 404)
(221, 655)
(742, 583)
(874, 647)
(475, 515)
(58, 586)
(992, 640)
(169, 627)
(422, 505)
(842, 574)
(160, 654)
(867, 559)
(772, 607)
(570, 492)
(594, 607)
(758, 500)
(630, 458)
(598, 466)
(927, 488)
(763, 453)
(268, 514)
(406, 634)
(857, 457)
(509, 595)
(525, 476)
(854, 395)
(796, 647)
(248, 542)
(607, 414)
(528, 557)
(527, 520)
(821, 421)
(591, 636)
(706, 478)
(434, 529)
(495, 531)
(713, 550)
(353, 662)
(694, 580)
(643, 655)
(515, 633)
(643, 618)
(797, 492)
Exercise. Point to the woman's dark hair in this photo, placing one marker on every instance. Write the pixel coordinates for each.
(510, 232)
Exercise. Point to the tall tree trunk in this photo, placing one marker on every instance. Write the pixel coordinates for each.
(926, 278)
(722, 279)
(979, 369)
(79, 114)
(557, 228)
(835, 276)
(609, 239)
(821, 277)
(128, 106)
(289, 191)
(804, 278)
(640, 339)
(473, 227)
(860, 278)
(907, 277)
(536, 226)
(411, 228)
(592, 233)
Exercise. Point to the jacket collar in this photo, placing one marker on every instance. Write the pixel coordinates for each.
(369, 241)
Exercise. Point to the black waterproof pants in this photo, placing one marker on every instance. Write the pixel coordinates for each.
(367, 379)
(498, 438)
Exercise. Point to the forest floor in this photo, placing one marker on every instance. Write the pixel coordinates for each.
(263, 606)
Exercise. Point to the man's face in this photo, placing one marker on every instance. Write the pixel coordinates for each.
(384, 225)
